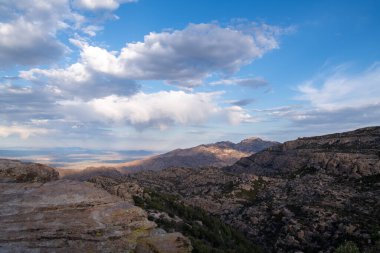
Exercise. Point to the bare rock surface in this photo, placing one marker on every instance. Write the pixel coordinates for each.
(354, 153)
(67, 215)
(164, 243)
(72, 216)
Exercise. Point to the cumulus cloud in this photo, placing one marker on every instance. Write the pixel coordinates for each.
(161, 109)
(180, 57)
(28, 29)
(236, 115)
(100, 4)
(44, 106)
(81, 81)
(23, 132)
(27, 44)
(157, 109)
(185, 57)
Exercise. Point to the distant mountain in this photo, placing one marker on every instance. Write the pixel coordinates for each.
(218, 154)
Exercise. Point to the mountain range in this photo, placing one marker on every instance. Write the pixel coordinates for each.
(218, 154)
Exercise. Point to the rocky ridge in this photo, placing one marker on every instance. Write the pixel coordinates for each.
(307, 195)
(354, 154)
(218, 154)
(89, 172)
(16, 171)
(41, 214)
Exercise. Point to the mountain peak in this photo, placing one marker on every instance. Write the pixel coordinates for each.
(255, 144)
(217, 154)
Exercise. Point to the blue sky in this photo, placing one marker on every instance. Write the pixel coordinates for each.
(158, 75)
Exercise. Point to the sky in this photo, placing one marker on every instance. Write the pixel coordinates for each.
(159, 75)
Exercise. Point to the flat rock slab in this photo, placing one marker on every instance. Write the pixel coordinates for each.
(67, 216)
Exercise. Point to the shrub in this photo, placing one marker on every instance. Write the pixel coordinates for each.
(347, 247)
(209, 235)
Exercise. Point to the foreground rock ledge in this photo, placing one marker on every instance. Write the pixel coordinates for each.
(70, 216)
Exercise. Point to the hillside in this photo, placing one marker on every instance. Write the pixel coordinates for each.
(219, 154)
(355, 154)
(89, 172)
(312, 194)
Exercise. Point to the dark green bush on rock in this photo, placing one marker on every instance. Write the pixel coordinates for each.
(347, 247)
(206, 232)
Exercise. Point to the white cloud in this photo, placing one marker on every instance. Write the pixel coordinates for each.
(28, 29)
(149, 109)
(7, 88)
(92, 29)
(23, 132)
(45, 106)
(100, 4)
(81, 81)
(341, 90)
(160, 109)
(236, 115)
(335, 101)
(181, 57)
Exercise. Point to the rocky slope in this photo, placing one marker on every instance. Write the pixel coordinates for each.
(88, 173)
(354, 154)
(16, 171)
(41, 214)
(219, 154)
(207, 233)
(307, 195)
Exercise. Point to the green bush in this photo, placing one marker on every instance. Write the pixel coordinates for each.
(347, 247)
(209, 235)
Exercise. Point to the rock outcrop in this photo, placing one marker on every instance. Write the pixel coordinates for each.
(163, 243)
(124, 190)
(16, 171)
(354, 153)
(72, 216)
